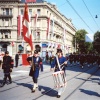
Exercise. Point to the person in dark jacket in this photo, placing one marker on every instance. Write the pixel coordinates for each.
(35, 62)
(16, 59)
(7, 68)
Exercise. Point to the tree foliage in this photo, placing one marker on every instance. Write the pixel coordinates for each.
(81, 45)
(96, 42)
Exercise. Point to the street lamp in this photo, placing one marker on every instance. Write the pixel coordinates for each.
(96, 16)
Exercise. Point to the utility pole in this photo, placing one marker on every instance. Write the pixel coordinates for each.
(75, 44)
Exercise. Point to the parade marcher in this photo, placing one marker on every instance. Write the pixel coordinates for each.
(60, 60)
(52, 62)
(71, 59)
(35, 62)
(16, 59)
(98, 60)
(7, 68)
(82, 58)
(0, 60)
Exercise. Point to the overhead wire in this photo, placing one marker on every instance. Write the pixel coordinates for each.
(79, 15)
(90, 13)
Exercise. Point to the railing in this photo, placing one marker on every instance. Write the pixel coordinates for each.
(4, 15)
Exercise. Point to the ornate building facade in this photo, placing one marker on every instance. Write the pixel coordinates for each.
(50, 29)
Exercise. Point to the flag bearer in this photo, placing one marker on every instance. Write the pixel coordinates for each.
(35, 62)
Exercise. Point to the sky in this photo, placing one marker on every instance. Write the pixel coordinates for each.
(83, 15)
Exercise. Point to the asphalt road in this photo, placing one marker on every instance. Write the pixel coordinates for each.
(82, 84)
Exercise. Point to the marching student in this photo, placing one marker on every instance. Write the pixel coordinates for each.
(60, 60)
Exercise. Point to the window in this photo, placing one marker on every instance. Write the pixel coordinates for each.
(3, 12)
(38, 12)
(22, 12)
(10, 12)
(6, 35)
(7, 11)
(30, 12)
(38, 35)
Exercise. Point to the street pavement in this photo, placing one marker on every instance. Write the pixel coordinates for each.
(82, 84)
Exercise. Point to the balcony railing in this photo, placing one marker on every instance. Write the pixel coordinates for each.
(6, 16)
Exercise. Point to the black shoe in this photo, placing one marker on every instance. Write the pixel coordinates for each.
(98, 83)
(2, 84)
(33, 91)
(10, 82)
(58, 96)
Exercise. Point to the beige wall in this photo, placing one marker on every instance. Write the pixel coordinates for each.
(47, 10)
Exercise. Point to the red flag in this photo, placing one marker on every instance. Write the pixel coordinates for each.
(35, 23)
(26, 27)
(35, 20)
(48, 27)
(19, 25)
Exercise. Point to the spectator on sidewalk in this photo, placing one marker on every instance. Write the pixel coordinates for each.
(1, 59)
(47, 58)
(16, 59)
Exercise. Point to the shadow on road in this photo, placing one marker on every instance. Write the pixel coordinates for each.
(94, 80)
(43, 89)
(25, 85)
(90, 92)
(47, 91)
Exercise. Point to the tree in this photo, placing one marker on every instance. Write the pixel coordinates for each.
(89, 47)
(96, 42)
(80, 40)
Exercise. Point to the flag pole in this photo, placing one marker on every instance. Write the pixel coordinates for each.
(27, 35)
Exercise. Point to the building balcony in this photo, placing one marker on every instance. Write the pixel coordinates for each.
(6, 16)
(7, 39)
(2, 28)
